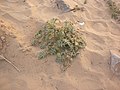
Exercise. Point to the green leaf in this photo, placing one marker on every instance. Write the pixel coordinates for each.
(42, 54)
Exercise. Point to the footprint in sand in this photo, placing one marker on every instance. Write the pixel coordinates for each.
(95, 13)
(99, 26)
(20, 13)
(95, 62)
(93, 46)
(19, 85)
(95, 38)
(114, 28)
(14, 1)
(10, 83)
(91, 83)
(61, 85)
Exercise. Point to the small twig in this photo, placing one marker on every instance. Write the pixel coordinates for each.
(77, 8)
(10, 63)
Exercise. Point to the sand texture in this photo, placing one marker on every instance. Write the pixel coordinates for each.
(20, 19)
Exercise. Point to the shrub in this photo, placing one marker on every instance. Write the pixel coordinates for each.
(115, 11)
(60, 39)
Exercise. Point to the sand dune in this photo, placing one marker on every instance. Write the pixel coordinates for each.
(21, 19)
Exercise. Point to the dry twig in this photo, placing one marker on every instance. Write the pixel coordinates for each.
(1, 56)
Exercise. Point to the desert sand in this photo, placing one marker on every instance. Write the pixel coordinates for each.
(20, 19)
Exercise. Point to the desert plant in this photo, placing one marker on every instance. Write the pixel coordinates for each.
(60, 39)
(115, 11)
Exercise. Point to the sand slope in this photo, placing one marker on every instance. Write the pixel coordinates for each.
(90, 71)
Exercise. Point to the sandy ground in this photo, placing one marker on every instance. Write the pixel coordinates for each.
(20, 20)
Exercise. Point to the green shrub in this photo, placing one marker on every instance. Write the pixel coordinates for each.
(115, 11)
(59, 39)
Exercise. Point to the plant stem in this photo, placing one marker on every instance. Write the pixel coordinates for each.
(10, 63)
